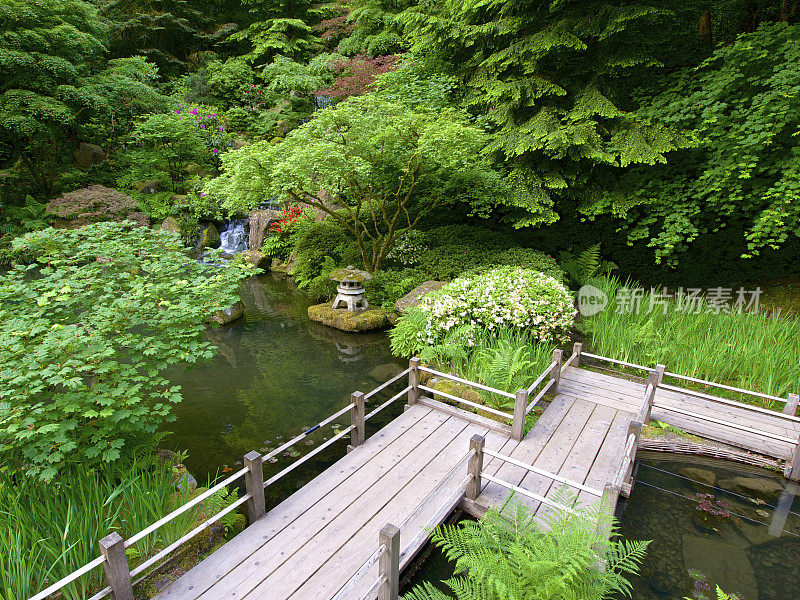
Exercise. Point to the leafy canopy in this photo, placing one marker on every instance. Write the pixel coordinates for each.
(549, 80)
(375, 166)
(742, 106)
(87, 334)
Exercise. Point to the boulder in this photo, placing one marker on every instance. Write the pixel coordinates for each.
(765, 489)
(385, 372)
(209, 238)
(256, 258)
(223, 317)
(341, 318)
(414, 297)
(698, 477)
(277, 266)
(88, 154)
(171, 224)
(259, 223)
(150, 186)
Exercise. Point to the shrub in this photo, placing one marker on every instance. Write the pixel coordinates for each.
(92, 204)
(388, 286)
(503, 297)
(314, 241)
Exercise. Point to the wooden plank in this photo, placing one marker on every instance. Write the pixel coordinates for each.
(609, 458)
(467, 416)
(346, 541)
(403, 429)
(550, 458)
(335, 516)
(588, 388)
(606, 381)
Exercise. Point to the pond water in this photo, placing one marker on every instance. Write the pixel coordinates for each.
(749, 545)
(275, 375)
(753, 553)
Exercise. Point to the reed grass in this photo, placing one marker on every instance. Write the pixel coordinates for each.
(47, 531)
(753, 350)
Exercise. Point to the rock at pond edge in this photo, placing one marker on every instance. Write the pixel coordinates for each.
(413, 297)
(256, 258)
(340, 318)
(209, 238)
(223, 317)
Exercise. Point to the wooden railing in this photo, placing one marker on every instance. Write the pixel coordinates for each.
(792, 470)
(120, 579)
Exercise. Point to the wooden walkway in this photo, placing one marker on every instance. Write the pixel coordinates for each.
(349, 532)
(310, 545)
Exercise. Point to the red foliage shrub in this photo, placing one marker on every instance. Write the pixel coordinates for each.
(334, 29)
(357, 75)
(289, 218)
(92, 204)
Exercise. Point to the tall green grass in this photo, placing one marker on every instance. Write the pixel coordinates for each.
(755, 351)
(47, 531)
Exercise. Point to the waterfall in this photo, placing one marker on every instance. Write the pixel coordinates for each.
(233, 236)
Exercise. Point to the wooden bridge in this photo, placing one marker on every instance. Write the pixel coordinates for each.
(350, 531)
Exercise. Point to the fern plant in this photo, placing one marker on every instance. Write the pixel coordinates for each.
(586, 266)
(510, 555)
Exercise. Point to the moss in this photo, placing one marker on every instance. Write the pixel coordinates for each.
(340, 318)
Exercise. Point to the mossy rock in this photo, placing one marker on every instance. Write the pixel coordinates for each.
(223, 317)
(210, 237)
(414, 297)
(256, 258)
(341, 318)
(171, 224)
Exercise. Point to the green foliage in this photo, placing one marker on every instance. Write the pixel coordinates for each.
(510, 555)
(741, 106)
(586, 265)
(376, 31)
(406, 338)
(389, 285)
(727, 348)
(292, 38)
(48, 530)
(283, 75)
(87, 335)
(317, 245)
(386, 165)
(418, 86)
(229, 81)
(549, 80)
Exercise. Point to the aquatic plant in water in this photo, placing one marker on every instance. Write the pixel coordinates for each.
(710, 512)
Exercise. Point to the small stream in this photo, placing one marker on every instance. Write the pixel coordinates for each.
(276, 374)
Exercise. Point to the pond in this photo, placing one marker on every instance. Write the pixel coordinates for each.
(751, 548)
(276, 374)
(745, 538)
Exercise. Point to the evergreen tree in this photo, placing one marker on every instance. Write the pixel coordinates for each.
(549, 80)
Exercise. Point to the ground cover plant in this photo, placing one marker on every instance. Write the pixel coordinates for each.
(509, 555)
(87, 331)
(48, 530)
(752, 350)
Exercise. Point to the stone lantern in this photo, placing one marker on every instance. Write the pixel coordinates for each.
(351, 288)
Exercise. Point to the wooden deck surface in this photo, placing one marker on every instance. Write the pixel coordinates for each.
(311, 544)
(617, 392)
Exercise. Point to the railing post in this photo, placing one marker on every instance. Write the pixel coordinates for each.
(475, 467)
(118, 575)
(555, 374)
(654, 377)
(389, 563)
(356, 420)
(520, 408)
(254, 483)
(792, 469)
(635, 428)
(413, 381)
(609, 505)
(577, 348)
(791, 405)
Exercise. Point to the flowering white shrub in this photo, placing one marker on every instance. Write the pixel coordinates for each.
(501, 298)
(407, 248)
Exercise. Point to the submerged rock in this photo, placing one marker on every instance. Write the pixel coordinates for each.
(223, 317)
(346, 320)
(699, 477)
(766, 489)
(385, 371)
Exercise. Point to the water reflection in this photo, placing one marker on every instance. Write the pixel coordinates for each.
(276, 374)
